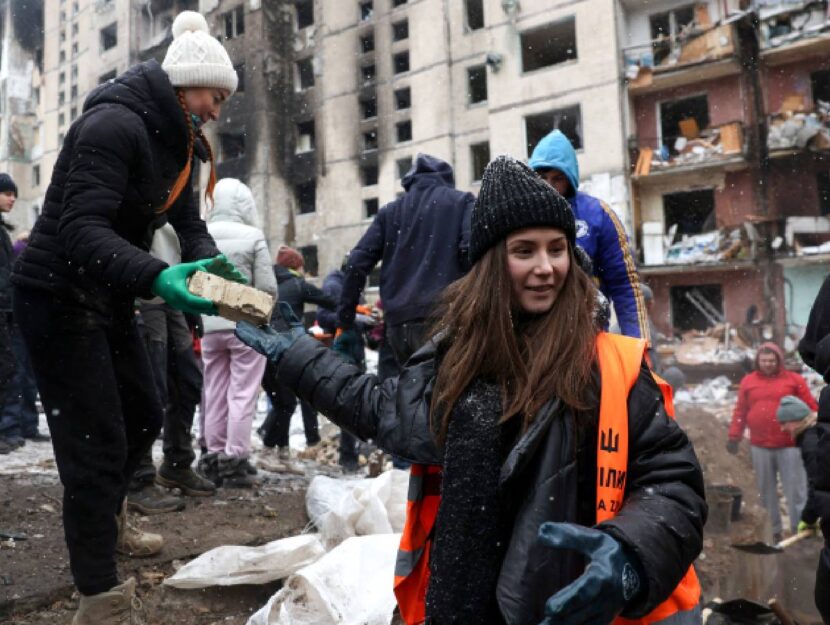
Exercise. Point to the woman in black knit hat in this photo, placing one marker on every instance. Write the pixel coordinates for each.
(540, 443)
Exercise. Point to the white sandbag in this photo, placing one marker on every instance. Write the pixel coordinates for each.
(344, 508)
(350, 585)
(230, 565)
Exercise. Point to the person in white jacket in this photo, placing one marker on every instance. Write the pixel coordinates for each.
(232, 370)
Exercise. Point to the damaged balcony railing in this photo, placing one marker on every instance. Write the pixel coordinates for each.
(784, 22)
(690, 147)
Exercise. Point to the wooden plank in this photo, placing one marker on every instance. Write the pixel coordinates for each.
(689, 128)
(716, 43)
(643, 167)
(702, 16)
(731, 138)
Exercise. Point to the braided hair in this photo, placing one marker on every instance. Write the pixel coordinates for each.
(184, 175)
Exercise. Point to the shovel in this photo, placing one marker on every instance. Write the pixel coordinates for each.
(763, 549)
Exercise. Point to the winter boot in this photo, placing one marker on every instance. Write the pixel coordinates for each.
(208, 467)
(152, 500)
(118, 606)
(269, 461)
(233, 473)
(249, 468)
(284, 454)
(186, 479)
(132, 541)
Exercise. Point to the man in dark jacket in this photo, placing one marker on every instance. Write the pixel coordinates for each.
(815, 351)
(10, 434)
(422, 240)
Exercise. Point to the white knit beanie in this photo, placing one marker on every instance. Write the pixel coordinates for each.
(195, 59)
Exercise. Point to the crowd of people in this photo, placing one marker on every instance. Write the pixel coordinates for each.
(536, 441)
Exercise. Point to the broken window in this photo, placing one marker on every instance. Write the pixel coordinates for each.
(549, 45)
(73, 92)
(368, 175)
(480, 157)
(477, 84)
(36, 175)
(304, 74)
(368, 72)
(108, 76)
(305, 194)
(367, 42)
(692, 211)
(63, 36)
(310, 262)
(370, 207)
(683, 118)
(403, 131)
(474, 14)
(400, 30)
(305, 13)
(61, 119)
(73, 113)
(74, 72)
(665, 27)
(397, 3)
(233, 145)
(240, 74)
(568, 120)
(820, 82)
(305, 136)
(369, 107)
(823, 183)
(109, 36)
(61, 78)
(692, 306)
(366, 11)
(61, 98)
(403, 99)
(370, 140)
(62, 56)
(401, 62)
(404, 165)
(75, 48)
(235, 22)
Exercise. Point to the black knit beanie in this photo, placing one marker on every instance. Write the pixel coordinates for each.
(513, 197)
(7, 184)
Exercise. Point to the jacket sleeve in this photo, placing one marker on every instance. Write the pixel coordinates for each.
(393, 414)
(327, 318)
(464, 241)
(193, 235)
(104, 152)
(664, 510)
(818, 326)
(803, 392)
(738, 425)
(362, 259)
(262, 276)
(312, 295)
(617, 272)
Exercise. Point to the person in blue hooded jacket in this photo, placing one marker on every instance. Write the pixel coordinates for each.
(598, 231)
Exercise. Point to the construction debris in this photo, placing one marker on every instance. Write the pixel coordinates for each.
(795, 128)
(234, 301)
(694, 146)
(709, 247)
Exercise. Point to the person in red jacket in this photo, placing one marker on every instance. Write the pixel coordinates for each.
(773, 450)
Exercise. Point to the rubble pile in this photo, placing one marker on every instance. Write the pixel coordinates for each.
(791, 129)
(718, 344)
(709, 247)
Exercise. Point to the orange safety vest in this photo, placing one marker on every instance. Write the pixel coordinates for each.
(619, 358)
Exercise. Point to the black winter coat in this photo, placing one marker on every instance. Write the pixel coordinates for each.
(295, 291)
(6, 256)
(423, 240)
(551, 470)
(118, 162)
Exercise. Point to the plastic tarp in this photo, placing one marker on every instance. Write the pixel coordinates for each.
(231, 565)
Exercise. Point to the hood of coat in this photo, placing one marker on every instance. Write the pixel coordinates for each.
(146, 90)
(282, 274)
(555, 151)
(429, 170)
(233, 201)
(771, 347)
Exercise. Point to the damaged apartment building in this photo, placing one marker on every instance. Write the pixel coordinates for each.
(728, 121)
(338, 96)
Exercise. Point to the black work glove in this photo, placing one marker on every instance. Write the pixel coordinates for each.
(732, 446)
(266, 340)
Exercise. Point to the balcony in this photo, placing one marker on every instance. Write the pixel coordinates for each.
(694, 57)
(716, 148)
(793, 30)
(794, 130)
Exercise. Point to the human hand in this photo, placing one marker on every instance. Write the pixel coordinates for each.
(345, 343)
(609, 583)
(266, 340)
(171, 286)
(803, 526)
(732, 446)
(222, 267)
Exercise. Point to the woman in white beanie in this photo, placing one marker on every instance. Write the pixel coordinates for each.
(233, 371)
(123, 171)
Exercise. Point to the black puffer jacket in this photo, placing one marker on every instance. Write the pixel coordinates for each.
(6, 256)
(551, 472)
(295, 291)
(118, 163)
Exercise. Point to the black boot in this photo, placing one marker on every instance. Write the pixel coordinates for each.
(152, 500)
(185, 479)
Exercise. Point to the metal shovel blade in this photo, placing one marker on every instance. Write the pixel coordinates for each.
(764, 549)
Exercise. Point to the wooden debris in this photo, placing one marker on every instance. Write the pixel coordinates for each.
(234, 301)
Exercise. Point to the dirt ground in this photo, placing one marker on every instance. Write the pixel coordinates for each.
(35, 583)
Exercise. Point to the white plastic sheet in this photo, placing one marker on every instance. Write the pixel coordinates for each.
(232, 565)
(350, 585)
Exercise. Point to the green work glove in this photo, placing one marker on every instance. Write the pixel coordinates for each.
(171, 284)
(803, 526)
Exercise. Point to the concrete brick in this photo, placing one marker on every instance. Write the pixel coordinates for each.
(234, 301)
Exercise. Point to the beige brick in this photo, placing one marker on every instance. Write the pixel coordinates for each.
(234, 301)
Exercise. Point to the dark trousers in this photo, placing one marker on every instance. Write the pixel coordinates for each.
(283, 403)
(19, 414)
(7, 371)
(178, 382)
(822, 591)
(96, 385)
(406, 339)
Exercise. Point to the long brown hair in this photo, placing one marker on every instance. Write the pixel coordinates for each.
(535, 359)
(184, 174)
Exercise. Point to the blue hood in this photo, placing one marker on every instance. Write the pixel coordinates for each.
(430, 169)
(555, 151)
